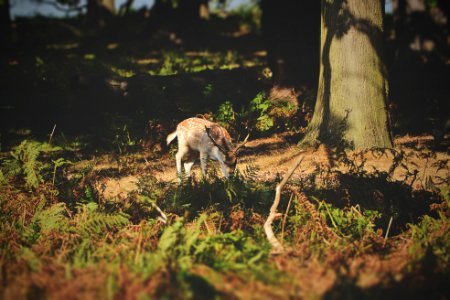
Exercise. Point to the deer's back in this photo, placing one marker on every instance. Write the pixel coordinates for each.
(193, 134)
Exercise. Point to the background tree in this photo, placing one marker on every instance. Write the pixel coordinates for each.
(418, 50)
(351, 99)
(5, 23)
(291, 31)
(100, 12)
(185, 17)
(421, 29)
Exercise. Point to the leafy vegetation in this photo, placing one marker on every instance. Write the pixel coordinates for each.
(213, 233)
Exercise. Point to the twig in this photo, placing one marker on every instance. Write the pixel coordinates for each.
(277, 247)
(163, 217)
(387, 232)
(51, 134)
(285, 218)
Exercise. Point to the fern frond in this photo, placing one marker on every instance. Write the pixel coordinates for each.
(90, 221)
(24, 161)
(170, 236)
(53, 218)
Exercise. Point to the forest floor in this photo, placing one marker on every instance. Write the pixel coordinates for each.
(272, 158)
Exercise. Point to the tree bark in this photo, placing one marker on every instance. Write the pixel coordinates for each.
(351, 100)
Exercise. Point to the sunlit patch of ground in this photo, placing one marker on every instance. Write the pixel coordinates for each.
(273, 157)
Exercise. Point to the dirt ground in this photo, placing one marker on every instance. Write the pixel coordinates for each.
(272, 157)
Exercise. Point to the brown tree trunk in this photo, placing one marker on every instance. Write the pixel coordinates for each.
(351, 100)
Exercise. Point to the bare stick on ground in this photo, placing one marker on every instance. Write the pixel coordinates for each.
(51, 134)
(387, 231)
(276, 245)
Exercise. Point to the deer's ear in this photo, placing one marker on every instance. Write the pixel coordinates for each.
(208, 132)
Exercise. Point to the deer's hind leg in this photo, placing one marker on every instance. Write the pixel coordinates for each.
(182, 151)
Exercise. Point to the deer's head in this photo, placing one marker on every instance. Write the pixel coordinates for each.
(230, 153)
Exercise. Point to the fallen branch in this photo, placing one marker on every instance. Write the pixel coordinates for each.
(276, 245)
(162, 216)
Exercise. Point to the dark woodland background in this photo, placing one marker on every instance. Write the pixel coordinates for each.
(65, 71)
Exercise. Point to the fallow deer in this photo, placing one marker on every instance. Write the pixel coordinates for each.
(200, 137)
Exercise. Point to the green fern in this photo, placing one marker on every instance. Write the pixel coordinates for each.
(45, 220)
(177, 244)
(90, 221)
(3, 178)
(24, 162)
(52, 218)
(170, 236)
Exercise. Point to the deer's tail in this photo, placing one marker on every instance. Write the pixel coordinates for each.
(171, 137)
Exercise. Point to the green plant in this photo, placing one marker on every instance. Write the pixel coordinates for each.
(123, 139)
(259, 109)
(89, 220)
(349, 222)
(233, 251)
(208, 89)
(59, 163)
(25, 162)
(3, 178)
(182, 246)
(225, 115)
(240, 189)
(431, 238)
(167, 67)
(45, 220)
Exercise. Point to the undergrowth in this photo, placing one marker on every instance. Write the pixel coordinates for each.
(204, 238)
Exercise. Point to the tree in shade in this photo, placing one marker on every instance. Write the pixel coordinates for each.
(351, 99)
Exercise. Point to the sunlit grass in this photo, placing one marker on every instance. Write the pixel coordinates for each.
(123, 72)
(147, 61)
(172, 63)
(89, 56)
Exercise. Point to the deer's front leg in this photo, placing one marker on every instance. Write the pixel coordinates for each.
(224, 169)
(203, 162)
